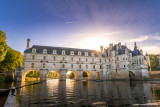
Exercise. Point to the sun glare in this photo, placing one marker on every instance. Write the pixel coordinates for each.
(94, 43)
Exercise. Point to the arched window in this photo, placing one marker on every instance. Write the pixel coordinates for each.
(44, 57)
(44, 50)
(54, 58)
(63, 58)
(72, 66)
(32, 65)
(79, 53)
(72, 53)
(54, 51)
(44, 65)
(92, 54)
(100, 60)
(63, 52)
(93, 66)
(86, 66)
(86, 53)
(63, 66)
(34, 50)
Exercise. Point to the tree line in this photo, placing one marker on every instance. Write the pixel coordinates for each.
(9, 58)
(154, 62)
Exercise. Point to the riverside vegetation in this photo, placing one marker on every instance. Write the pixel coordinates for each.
(9, 58)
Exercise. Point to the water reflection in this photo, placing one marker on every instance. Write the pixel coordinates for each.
(90, 93)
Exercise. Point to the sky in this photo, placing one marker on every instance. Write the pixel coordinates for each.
(84, 24)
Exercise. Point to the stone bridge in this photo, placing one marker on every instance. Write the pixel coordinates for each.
(21, 73)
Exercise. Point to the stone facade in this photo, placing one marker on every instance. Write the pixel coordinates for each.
(115, 62)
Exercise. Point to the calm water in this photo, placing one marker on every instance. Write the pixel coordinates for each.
(89, 93)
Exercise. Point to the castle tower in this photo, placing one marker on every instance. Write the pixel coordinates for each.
(101, 48)
(135, 46)
(28, 43)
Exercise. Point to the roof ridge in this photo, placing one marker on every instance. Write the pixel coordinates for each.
(64, 47)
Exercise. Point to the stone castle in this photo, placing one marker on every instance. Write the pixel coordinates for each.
(115, 62)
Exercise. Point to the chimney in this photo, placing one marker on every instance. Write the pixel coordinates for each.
(101, 48)
(28, 43)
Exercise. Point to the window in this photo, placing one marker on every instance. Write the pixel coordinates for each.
(92, 54)
(54, 58)
(86, 53)
(71, 65)
(63, 52)
(53, 65)
(100, 54)
(123, 58)
(32, 65)
(72, 53)
(117, 58)
(86, 66)
(63, 59)
(92, 60)
(72, 59)
(100, 60)
(44, 65)
(34, 50)
(79, 66)
(44, 57)
(105, 60)
(86, 59)
(54, 51)
(124, 66)
(93, 66)
(79, 59)
(44, 50)
(101, 67)
(33, 57)
(63, 66)
(79, 53)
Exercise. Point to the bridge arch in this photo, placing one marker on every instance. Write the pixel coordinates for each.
(54, 71)
(74, 72)
(89, 74)
(26, 72)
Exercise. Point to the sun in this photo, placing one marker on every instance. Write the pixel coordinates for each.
(94, 43)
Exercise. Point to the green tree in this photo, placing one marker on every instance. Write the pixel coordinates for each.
(12, 60)
(154, 61)
(3, 45)
(71, 75)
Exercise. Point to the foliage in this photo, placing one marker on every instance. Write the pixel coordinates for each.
(2, 78)
(154, 61)
(12, 60)
(3, 45)
(32, 74)
(52, 75)
(85, 74)
(71, 75)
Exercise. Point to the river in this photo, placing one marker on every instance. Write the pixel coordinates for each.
(88, 93)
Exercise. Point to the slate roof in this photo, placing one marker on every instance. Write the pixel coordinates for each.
(39, 49)
(122, 50)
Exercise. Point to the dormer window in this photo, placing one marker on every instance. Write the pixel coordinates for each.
(100, 55)
(86, 53)
(79, 53)
(54, 51)
(44, 50)
(92, 54)
(63, 52)
(72, 53)
(34, 50)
